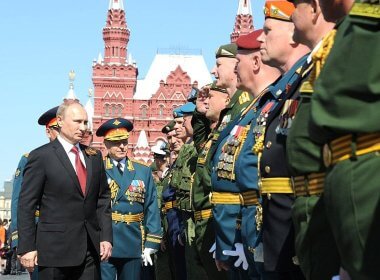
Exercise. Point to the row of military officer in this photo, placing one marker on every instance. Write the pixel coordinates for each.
(256, 159)
(269, 148)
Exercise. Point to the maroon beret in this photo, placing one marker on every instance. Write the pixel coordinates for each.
(249, 41)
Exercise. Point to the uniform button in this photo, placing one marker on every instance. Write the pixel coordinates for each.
(267, 169)
(269, 144)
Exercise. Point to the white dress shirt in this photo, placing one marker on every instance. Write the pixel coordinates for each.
(67, 147)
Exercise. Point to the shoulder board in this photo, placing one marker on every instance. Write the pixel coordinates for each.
(107, 162)
(365, 10)
(299, 70)
(244, 97)
(140, 162)
(26, 155)
(90, 151)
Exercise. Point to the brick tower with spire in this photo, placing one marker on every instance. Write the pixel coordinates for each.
(115, 76)
(243, 20)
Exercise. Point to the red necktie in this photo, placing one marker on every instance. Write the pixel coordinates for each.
(81, 170)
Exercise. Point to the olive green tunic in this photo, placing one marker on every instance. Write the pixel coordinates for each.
(347, 102)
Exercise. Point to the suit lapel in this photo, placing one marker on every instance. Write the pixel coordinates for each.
(128, 175)
(64, 159)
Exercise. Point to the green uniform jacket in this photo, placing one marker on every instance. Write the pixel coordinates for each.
(348, 98)
(182, 175)
(202, 178)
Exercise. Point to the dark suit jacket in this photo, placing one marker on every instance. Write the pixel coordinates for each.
(67, 217)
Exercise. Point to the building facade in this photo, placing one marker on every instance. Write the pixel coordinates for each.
(148, 103)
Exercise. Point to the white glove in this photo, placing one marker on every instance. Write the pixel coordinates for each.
(146, 256)
(238, 253)
(212, 250)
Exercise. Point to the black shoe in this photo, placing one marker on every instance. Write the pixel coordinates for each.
(6, 272)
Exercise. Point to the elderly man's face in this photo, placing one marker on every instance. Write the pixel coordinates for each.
(276, 41)
(244, 69)
(302, 18)
(117, 149)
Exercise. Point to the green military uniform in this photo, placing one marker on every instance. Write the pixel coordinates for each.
(165, 268)
(345, 117)
(315, 247)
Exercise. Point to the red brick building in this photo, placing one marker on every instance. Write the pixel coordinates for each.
(148, 103)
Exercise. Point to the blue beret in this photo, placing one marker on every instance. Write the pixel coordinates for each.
(49, 118)
(115, 129)
(185, 109)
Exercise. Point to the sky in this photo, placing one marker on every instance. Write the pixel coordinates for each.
(41, 41)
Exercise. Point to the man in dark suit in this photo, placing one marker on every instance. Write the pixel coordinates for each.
(67, 180)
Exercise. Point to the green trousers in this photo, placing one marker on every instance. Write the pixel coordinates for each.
(194, 268)
(314, 242)
(352, 193)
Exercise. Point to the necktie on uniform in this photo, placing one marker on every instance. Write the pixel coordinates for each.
(80, 169)
(120, 168)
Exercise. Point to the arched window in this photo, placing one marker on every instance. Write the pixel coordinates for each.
(161, 110)
(107, 112)
(113, 113)
(144, 111)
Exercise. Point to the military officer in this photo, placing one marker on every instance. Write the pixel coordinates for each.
(345, 119)
(182, 178)
(172, 220)
(204, 119)
(224, 72)
(315, 246)
(278, 49)
(135, 214)
(255, 77)
(49, 120)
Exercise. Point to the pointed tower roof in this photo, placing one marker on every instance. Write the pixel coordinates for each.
(142, 150)
(243, 20)
(142, 141)
(89, 109)
(244, 7)
(116, 5)
(71, 94)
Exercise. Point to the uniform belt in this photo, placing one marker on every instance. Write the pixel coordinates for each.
(311, 184)
(37, 213)
(202, 214)
(245, 198)
(350, 146)
(275, 185)
(127, 218)
(170, 204)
